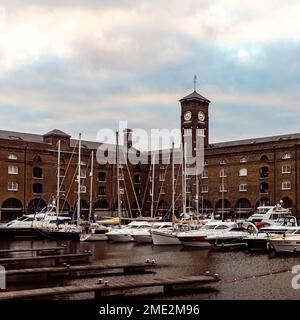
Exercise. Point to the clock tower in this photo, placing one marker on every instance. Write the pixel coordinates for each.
(195, 117)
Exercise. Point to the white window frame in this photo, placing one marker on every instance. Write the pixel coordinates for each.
(243, 187)
(223, 187)
(188, 189)
(12, 186)
(9, 171)
(82, 189)
(204, 174)
(243, 170)
(286, 156)
(286, 185)
(204, 188)
(12, 157)
(222, 173)
(243, 160)
(286, 166)
(162, 177)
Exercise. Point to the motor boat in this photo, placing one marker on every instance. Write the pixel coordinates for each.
(234, 237)
(288, 242)
(269, 214)
(124, 234)
(96, 232)
(197, 238)
(168, 236)
(143, 235)
(260, 240)
(29, 225)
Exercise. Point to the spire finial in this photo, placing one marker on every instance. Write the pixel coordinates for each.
(195, 82)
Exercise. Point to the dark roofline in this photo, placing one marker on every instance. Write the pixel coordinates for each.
(236, 143)
(194, 96)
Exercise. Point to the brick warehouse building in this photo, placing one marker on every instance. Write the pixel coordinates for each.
(238, 175)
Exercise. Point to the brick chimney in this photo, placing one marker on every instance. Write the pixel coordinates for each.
(128, 137)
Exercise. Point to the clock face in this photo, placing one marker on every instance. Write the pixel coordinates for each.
(187, 116)
(201, 116)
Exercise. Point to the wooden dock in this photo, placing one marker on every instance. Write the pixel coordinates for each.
(79, 271)
(37, 251)
(109, 288)
(57, 258)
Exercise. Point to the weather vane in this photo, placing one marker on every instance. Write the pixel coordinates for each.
(195, 82)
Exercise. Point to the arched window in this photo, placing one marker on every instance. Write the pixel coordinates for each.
(264, 172)
(137, 178)
(37, 188)
(205, 162)
(264, 158)
(37, 158)
(243, 160)
(101, 176)
(12, 157)
(286, 156)
(264, 187)
(101, 191)
(37, 172)
(243, 172)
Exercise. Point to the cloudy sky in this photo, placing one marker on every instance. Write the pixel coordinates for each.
(84, 65)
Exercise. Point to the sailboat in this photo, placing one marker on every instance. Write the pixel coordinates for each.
(96, 232)
(67, 230)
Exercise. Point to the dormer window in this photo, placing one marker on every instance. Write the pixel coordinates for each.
(286, 156)
(12, 157)
(243, 160)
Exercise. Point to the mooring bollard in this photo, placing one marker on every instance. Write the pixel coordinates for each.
(106, 283)
(216, 276)
(207, 273)
(147, 261)
(153, 262)
(100, 281)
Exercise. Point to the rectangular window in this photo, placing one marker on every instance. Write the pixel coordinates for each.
(13, 170)
(286, 185)
(161, 177)
(222, 173)
(188, 189)
(243, 172)
(162, 191)
(223, 188)
(204, 189)
(243, 187)
(12, 186)
(286, 169)
(82, 189)
(205, 174)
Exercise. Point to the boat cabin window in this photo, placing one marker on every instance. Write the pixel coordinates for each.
(221, 227)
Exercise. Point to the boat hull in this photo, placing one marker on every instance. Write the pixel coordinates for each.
(194, 241)
(142, 238)
(165, 239)
(285, 246)
(19, 233)
(120, 237)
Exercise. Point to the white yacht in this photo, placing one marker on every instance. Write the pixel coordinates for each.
(143, 235)
(125, 234)
(197, 238)
(286, 243)
(269, 214)
(96, 232)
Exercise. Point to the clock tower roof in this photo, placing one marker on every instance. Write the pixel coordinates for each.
(194, 96)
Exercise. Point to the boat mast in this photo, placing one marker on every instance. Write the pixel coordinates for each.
(197, 193)
(173, 185)
(118, 177)
(91, 186)
(152, 185)
(184, 179)
(58, 179)
(79, 179)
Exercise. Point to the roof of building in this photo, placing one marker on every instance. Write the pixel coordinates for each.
(57, 133)
(255, 140)
(194, 96)
(37, 138)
